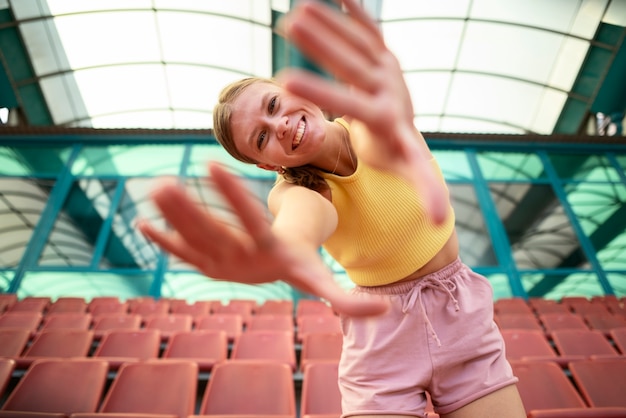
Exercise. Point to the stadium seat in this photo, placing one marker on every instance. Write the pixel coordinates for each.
(578, 413)
(66, 320)
(250, 387)
(7, 366)
(57, 343)
(59, 386)
(524, 344)
(320, 347)
(602, 383)
(618, 335)
(604, 322)
(271, 322)
(266, 345)
(512, 306)
(243, 307)
(582, 343)
(232, 324)
(518, 321)
(307, 324)
(320, 391)
(312, 307)
(555, 321)
(31, 304)
(6, 301)
(149, 307)
(157, 387)
(13, 341)
(121, 346)
(23, 320)
(276, 307)
(68, 304)
(201, 307)
(167, 324)
(104, 323)
(544, 385)
(204, 347)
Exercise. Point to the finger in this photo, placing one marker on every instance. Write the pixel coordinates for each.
(360, 15)
(320, 282)
(194, 224)
(172, 244)
(335, 97)
(248, 208)
(335, 43)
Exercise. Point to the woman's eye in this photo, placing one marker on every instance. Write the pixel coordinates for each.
(271, 105)
(261, 140)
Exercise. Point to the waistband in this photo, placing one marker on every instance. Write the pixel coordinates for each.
(404, 287)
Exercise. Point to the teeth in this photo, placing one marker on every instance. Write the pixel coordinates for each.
(299, 134)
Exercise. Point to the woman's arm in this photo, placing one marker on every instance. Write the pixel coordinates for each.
(258, 251)
(370, 89)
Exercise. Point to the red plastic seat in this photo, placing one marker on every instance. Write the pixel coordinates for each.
(266, 345)
(66, 320)
(232, 324)
(582, 343)
(24, 320)
(204, 347)
(307, 324)
(512, 306)
(618, 335)
(249, 387)
(544, 385)
(313, 307)
(201, 307)
(30, 304)
(243, 307)
(121, 346)
(7, 366)
(6, 301)
(149, 307)
(105, 323)
(59, 386)
(157, 387)
(524, 344)
(320, 347)
(68, 304)
(271, 322)
(276, 307)
(518, 321)
(169, 324)
(106, 307)
(320, 391)
(604, 322)
(13, 341)
(555, 321)
(602, 383)
(57, 343)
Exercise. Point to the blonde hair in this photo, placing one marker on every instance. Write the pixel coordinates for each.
(307, 176)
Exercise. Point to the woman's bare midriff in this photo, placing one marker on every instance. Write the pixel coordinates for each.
(445, 256)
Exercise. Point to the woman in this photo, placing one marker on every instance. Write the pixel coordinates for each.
(366, 188)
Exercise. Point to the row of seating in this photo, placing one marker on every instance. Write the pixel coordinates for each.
(149, 306)
(233, 324)
(78, 388)
(206, 347)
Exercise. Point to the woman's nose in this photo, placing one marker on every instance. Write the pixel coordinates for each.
(281, 124)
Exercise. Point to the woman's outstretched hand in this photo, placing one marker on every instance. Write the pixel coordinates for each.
(371, 89)
(250, 253)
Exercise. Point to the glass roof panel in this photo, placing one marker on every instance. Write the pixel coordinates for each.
(190, 49)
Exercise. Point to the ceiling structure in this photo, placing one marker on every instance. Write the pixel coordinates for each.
(472, 65)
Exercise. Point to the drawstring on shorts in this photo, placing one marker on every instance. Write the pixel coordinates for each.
(430, 282)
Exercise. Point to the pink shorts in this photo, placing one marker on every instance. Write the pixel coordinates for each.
(438, 337)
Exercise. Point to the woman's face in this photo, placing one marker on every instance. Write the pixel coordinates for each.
(276, 128)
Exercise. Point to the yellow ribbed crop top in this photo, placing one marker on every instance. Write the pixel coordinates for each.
(383, 233)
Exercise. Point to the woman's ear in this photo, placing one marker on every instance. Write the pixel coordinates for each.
(269, 167)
